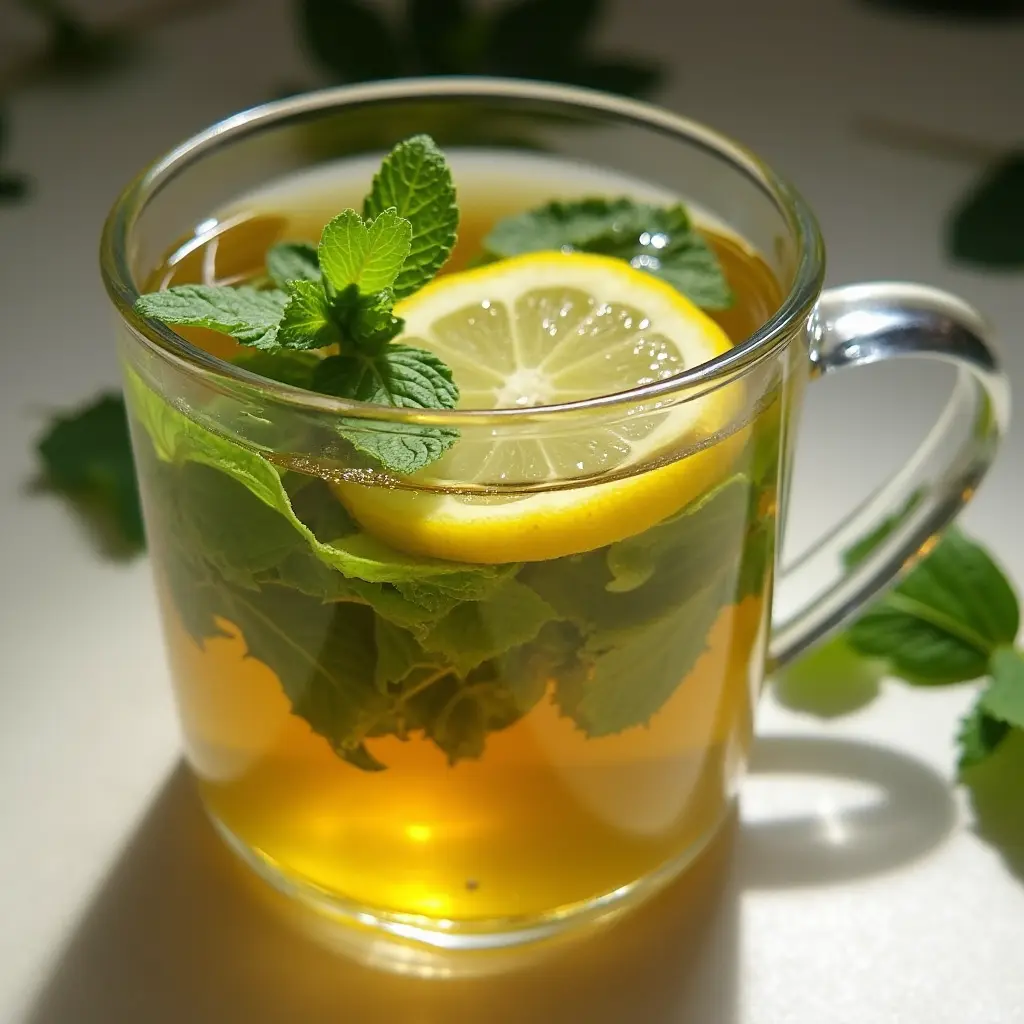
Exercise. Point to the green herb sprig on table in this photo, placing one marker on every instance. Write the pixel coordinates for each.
(952, 619)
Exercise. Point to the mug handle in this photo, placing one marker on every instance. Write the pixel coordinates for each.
(867, 323)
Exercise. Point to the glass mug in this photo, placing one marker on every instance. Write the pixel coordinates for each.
(477, 752)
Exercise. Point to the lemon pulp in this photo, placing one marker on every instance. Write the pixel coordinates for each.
(539, 330)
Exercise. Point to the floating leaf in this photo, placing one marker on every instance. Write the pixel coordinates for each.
(987, 226)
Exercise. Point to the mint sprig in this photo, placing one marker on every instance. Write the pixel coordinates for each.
(659, 240)
(953, 618)
(337, 301)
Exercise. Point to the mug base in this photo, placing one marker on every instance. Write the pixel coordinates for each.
(423, 945)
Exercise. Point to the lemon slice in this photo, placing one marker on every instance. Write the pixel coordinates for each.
(539, 330)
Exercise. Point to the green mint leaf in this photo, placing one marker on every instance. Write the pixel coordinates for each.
(980, 736)
(246, 314)
(306, 323)
(399, 376)
(698, 534)
(350, 39)
(367, 322)
(178, 439)
(942, 622)
(533, 38)
(292, 261)
(1003, 699)
(638, 580)
(476, 631)
(75, 48)
(458, 714)
(87, 457)
(631, 673)
(286, 366)
(367, 254)
(987, 227)
(415, 180)
(442, 34)
(323, 655)
(398, 447)
(659, 240)
(399, 654)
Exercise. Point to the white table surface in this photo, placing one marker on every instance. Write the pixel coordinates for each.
(857, 891)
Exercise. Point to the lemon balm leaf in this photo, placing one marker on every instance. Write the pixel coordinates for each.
(292, 261)
(659, 240)
(246, 314)
(416, 182)
(368, 254)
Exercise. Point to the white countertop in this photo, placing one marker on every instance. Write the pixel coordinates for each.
(858, 890)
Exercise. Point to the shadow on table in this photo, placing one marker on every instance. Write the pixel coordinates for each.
(179, 932)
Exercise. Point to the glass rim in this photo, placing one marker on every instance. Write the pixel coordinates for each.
(737, 361)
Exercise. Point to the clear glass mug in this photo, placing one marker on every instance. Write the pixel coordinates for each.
(572, 722)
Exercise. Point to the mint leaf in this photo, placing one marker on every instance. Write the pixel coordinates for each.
(306, 323)
(714, 523)
(246, 314)
(402, 377)
(1003, 699)
(416, 182)
(367, 254)
(87, 456)
(630, 673)
(397, 375)
(350, 39)
(398, 447)
(659, 240)
(474, 632)
(944, 620)
(980, 736)
(177, 439)
(987, 227)
(368, 320)
(287, 365)
(441, 32)
(323, 655)
(399, 654)
(292, 261)
(458, 714)
(533, 38)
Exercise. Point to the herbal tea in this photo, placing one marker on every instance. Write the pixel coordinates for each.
(445, 705)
